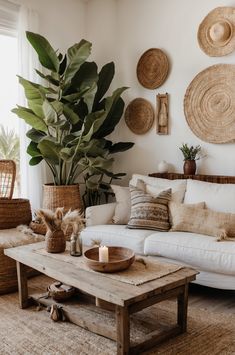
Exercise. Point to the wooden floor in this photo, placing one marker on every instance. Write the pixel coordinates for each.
(212, 299)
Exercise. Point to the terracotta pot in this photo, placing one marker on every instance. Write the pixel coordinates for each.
(67, 196)
(55, 241)
(190, 167)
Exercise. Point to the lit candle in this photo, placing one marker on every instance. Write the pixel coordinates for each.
(103, 254)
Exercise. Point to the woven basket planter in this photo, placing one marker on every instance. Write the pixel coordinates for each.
(8, 274)
(14, 212)
(67, 196)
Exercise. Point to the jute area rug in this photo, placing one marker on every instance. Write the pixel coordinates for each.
(32, 332)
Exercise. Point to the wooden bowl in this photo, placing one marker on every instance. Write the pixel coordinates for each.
(119, 259)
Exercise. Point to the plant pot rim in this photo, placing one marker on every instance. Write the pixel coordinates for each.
(53, 185)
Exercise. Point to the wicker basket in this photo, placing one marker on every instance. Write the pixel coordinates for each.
(14, 212)
(55, 241)
(60, 292)
(67, 196)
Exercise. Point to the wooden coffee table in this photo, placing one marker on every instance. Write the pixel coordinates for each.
(125, 298)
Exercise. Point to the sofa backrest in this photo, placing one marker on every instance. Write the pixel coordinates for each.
(218, 192)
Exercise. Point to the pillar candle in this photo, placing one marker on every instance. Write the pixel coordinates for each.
(103, 254)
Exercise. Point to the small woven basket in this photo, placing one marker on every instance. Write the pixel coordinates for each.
(14, 212)
(55, 241)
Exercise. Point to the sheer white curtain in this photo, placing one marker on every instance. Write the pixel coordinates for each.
(32, 177)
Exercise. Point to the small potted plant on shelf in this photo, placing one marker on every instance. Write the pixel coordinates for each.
(191, 154)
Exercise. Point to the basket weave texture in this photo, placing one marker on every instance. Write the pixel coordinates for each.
(209, 104)
(152, 68)
(67, 196)
(14, 212)
(7, 178)
(139, 116)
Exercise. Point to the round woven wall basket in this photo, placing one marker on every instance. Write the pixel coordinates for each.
(152, 68)
(67, 196)
(14, 212)
(209, 104)
(139, 116)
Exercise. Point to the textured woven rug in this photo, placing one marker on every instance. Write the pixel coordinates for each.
(137, 274)
(27, 332)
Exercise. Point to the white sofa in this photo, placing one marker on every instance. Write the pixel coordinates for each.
(214, 260)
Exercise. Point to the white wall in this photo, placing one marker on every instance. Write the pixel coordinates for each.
(62, 22)
(121, 30)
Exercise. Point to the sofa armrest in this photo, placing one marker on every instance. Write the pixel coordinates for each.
(101, 214)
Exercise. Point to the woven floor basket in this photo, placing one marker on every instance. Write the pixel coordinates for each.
(67, 196)
(14, 212)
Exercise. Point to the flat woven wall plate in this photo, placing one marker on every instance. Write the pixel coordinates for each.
(209, 104)
(139, 116)
(152, 68)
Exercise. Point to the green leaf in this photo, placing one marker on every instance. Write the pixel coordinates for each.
(33, 150)
(92, 123)
(35, 160)
(67, 154)
(63, 65)
(49, 78)
(73, 98)
(77, 55)
(50, 113)
(120, 147)
(70, 115)
(86, 76)
(35, 136)
(50, 150)
(46, 54)
(105, 78)
(30, 118)
(89, 97)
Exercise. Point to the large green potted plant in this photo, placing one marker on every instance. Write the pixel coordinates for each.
(70, 117)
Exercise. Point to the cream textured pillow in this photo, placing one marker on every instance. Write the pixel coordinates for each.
(202, 221)
(149, 212)
(123, 204)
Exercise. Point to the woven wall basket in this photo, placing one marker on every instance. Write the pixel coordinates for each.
(14, 212)
(209, 104)
(152, 68)
(139, 116)
(67, 196)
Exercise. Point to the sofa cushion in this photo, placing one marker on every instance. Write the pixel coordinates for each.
(200, 251)
(116, 235)
(219, 197)
(194, 218)
(149, 212)
(155, 185)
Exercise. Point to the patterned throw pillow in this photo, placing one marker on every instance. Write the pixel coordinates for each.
(149, 212)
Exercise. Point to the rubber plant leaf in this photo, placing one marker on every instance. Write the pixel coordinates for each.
(46, 54)
(30, 118)
(35, 136)
(105, 78)
(50, 150)
(77, 55)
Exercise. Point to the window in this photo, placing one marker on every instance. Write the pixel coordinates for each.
(9, 125)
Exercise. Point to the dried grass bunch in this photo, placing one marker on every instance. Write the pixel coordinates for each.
(59, 221)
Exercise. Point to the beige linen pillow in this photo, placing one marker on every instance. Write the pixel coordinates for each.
(149, 212)
(203, 221)
(123, 202)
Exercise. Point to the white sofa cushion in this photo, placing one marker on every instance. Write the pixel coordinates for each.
(200, 251)
(116, 235)
(155, 185)
(218, 197)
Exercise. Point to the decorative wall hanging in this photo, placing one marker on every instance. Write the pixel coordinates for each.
(162, 113)
(209, 104)
(139, 116)
(216, 35)
(152, 68)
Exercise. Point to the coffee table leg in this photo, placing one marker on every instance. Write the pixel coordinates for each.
(22, 284)
(182, 309)
(123, 330)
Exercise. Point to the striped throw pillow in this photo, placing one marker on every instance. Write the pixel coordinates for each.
(149, 212)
